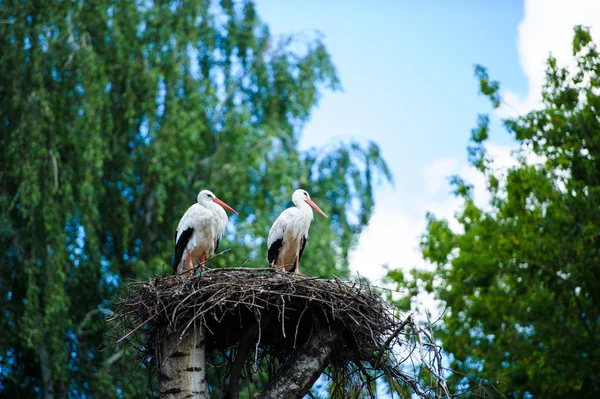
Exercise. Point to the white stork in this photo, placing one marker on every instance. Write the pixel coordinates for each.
(199, 231)
(289, 233)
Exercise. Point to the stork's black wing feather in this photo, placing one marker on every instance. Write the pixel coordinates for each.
(274, 250)
(302, 245)
(184, 238)
(217, 241)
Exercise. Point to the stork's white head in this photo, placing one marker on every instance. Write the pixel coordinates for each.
(207, 196)
(301, 197)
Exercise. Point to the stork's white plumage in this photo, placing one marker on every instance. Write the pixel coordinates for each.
(199, 231)
(289, 233)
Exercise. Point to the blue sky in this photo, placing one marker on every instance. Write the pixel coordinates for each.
(406, 70)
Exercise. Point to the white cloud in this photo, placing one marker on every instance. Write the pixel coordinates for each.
(445, 205)
(392, 237)
(547, 27)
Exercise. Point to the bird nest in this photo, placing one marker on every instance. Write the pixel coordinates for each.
(374, 341)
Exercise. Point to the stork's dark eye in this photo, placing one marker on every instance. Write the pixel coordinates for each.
(209, 195)
(305, 194)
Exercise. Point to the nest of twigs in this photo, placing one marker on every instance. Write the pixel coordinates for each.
(287, 308)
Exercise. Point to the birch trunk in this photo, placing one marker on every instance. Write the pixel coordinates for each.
(297, 376)
(182, 366)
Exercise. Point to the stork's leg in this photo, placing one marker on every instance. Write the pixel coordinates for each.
(202, 264)
(296, 269)
(282, 266)
(191, 264)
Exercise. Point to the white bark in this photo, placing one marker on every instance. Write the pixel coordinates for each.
(182, 366)
(297, 376)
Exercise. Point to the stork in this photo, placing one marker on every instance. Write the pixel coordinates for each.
(199, 231)
(288, 235)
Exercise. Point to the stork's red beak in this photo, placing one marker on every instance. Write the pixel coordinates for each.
(315, 207)
(224, 205)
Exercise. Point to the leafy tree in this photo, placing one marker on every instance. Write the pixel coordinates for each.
(114, 115)
(521, 281)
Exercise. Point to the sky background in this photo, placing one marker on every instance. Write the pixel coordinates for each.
(406, 70)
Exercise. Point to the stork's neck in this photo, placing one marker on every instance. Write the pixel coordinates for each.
(304, 208)
(212, 207)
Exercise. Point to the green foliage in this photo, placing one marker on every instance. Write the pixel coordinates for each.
(114, 115)
(488, 87)
(522, 282)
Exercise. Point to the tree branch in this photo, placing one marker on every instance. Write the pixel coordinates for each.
(233, 391)
(297, 376)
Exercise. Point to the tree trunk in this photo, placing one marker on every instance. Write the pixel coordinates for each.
(46, 371)
(182, 366)
(297, 376)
